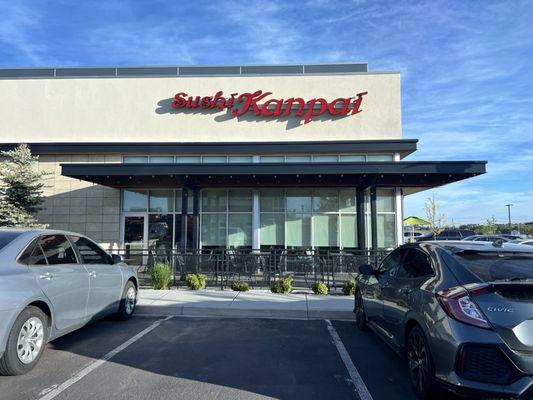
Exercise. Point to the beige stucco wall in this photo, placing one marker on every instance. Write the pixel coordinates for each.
(79, 206)
(137, 109)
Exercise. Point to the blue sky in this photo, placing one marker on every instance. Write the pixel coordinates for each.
(467, 80)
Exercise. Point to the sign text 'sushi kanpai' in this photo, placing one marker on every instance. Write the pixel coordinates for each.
(245, 102)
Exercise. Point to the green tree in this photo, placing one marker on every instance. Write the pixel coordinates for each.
(21, 187)
(490, 227)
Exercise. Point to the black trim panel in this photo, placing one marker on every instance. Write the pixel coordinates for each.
(400, 174)
(403, 146)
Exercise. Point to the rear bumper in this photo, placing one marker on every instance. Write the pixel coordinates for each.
(446, 350)
(521, 389)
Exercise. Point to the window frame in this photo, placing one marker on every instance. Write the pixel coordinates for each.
(74, 249)
(410, 277)
(80, 255)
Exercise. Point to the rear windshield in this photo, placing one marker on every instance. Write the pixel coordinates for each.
(498, 266)
(7, 237)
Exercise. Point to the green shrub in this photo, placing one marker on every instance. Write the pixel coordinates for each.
(192, 282)
(160, 275)
(320, 288)
(348, 289)
(195, 281)
(282, 286)
(201, 280)
(240, 286)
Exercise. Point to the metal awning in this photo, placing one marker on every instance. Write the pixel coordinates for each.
(408, 174)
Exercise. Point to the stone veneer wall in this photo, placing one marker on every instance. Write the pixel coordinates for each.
(80, 206)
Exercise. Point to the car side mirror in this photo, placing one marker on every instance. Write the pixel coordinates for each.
(366, 269)
(116, 258)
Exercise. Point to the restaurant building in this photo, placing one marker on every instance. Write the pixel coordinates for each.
(196, 157)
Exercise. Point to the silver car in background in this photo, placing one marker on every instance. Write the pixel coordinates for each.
(52, 283)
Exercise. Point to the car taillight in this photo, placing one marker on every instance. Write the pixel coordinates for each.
(458, 304)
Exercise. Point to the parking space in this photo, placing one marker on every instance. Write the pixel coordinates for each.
(211, 358)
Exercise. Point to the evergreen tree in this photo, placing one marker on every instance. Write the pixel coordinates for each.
(21, 187)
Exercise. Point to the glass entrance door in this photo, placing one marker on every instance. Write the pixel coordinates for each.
(134, 228)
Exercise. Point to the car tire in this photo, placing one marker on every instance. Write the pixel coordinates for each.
(26, 342)
(127, 302)
(359, 311)
(420, 365)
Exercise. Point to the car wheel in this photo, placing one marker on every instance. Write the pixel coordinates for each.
(26, 342)
(359, 310)
(127, 301)
(420, 363)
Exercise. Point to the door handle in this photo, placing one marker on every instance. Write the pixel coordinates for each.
(93, 274)
(48, 276)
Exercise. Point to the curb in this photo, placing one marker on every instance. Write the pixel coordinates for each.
(244, 313)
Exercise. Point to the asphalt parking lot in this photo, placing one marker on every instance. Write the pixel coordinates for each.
(211, 358)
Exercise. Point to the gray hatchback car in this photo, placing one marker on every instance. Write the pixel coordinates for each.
(461, 313)
(51, 283)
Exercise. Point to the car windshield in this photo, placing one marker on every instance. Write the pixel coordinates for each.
(492, 266)
(7, 237)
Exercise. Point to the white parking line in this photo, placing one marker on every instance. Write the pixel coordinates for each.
(53, 391)
(360, 386)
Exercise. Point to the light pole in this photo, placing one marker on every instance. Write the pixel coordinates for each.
(509, 214)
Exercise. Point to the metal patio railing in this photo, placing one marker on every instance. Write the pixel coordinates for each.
(260, 268)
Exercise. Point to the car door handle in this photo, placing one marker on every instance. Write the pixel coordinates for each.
(93, 274)
(48, 276)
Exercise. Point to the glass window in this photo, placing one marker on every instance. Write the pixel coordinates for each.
(272, 200)
(160, 231)
(347, 200)
(325, 200)
(392, 261)
(177, 229)
(190, 201)
(325, 230)
(298, 200)
(90, 252)
(272, 229)
(326, 158)
(239, 230)
(58, 250)
(490, 266)
(273, 159)
(349, 230)
(415, 265)
(240, 159)
(188, 159)
(214, 159)
(7, 237)
(385, 200)
(214, 229)
(386, 231)
(240, 200)
(214, 200)
(134, 200)
(352, 158)
(298, 158)
(162, 159)
(298, 230)
(161, 201)
(379, 157)
(135, 159)
(33, 255)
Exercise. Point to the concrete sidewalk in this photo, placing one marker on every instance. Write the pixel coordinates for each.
(251, 304)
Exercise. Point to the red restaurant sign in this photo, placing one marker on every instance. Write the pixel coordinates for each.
(245, 102)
